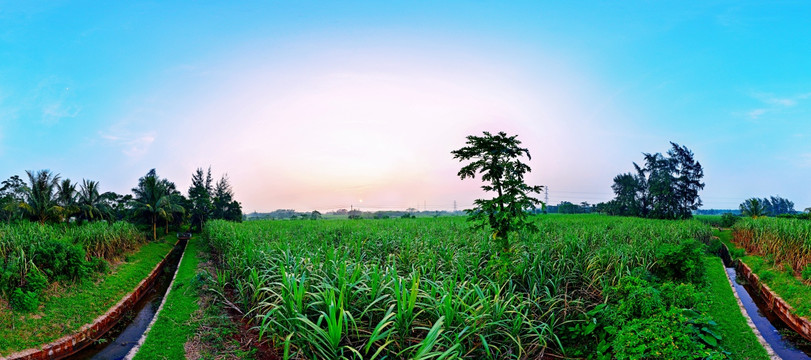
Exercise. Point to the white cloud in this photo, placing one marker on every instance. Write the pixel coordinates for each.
(55, 111)
(131, 144)
(756, 113)
(775, 103)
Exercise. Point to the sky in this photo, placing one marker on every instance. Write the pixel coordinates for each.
(325, 105)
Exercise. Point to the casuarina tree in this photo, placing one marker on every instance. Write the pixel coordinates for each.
(497, 159)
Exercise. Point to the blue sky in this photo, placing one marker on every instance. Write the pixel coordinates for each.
(325, 104)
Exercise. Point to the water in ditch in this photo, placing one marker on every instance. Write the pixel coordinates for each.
(786, 343)
(117, 342)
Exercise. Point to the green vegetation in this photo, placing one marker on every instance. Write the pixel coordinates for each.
(783, 241)
(497, 158)
(33, 256)
(726, 220)
(666, 187)
(156, 199)
(772, 206)
(738, 336)
(175, 325)
(66, 308)
(434, 287)
(784, 282)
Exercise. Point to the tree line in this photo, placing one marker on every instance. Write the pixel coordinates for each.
(46, 197)
(664, 187)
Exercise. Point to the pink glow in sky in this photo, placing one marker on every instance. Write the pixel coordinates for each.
(319, 105)
(372, 128)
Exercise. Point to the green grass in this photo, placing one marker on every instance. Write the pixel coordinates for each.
(80, 304)
(712, 220)
(738, 337)
(782, 282)
(174, 325)
(788, 287)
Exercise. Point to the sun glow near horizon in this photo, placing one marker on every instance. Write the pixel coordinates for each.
(381, 124)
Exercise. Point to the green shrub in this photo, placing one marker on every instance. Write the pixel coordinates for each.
(24, 300)
(681, 296)
(714, 246)
(99, 265)
(35, 281)
(666, 335)
(807, 272)
(60, 260)
(728, 219)
(681, 262)
(636, 298)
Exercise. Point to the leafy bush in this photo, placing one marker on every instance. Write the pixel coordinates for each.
(736, 253)
(728, 219)
(714, 246)
(60, 260)
(682, 296)
(24, 300)
(681, 262)
(671, 334)
(35, 281)
(807, 273)
(636, 298)
(98, 265)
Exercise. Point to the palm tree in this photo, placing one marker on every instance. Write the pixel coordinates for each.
(148, 194)
(40, 196)
(168, 206)
(156, 198)
(92, 205)
(66, 198)
(753, 207)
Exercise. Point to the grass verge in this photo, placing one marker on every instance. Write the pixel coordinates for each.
(175, 325)
(738, 337)
(780, 279)
(77, 304)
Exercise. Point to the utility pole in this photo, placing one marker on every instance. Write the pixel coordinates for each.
(424, 205)
(454, 206)
(546, 195)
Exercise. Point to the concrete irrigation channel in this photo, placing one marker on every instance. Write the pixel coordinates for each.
(780, 331)
(114, 334)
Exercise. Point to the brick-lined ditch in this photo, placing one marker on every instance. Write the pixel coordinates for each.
(772, 317)
(116, 323)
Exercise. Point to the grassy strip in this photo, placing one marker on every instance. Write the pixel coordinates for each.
(77, 305)
(174, 325)
(738, 337)
(780, 279)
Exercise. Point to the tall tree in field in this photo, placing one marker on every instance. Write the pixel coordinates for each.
(170, 207)
(661, 186)
(628, 193)
(688, 174)
(776, 205)
(753, 207)
(223, 203)
(92, 205)
(66, 198)
(12, 198)
(40, 197)
(223, 195)
(120, 205)
(200, 197)
(152, 199)
(497, 158)
(666, 187)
